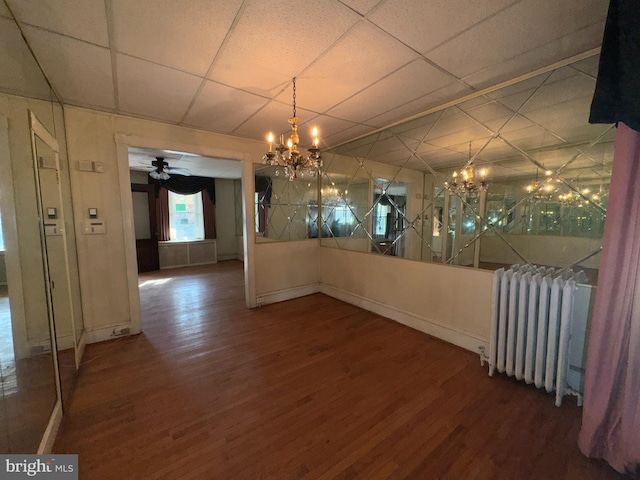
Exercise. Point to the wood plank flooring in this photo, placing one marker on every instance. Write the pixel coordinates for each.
(307, 389)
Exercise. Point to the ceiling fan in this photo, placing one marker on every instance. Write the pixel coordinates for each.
(162, 170)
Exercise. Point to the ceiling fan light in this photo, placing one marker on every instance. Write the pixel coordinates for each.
(159, 175)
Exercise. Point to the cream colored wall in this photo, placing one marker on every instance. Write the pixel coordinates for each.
(226, 219)
(452, 303)
(286, 269)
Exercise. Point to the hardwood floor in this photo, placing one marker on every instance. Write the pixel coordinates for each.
(313, 388)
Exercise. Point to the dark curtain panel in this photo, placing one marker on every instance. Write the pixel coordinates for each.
(263, 189)
(617, 95)
(209, 215)
(189, 185)
(162, 214)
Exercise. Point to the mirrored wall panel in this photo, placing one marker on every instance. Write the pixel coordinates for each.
(517, 175)
(284, 209)
(32, 346)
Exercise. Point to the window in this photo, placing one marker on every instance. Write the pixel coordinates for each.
(186, 220)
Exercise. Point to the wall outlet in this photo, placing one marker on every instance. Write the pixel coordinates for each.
(260, 301)
(119, 331)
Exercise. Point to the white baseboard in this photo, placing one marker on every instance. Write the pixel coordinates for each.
(467, 340)
(50, 433)
(106, 333)
(169, 267)
(287, 294)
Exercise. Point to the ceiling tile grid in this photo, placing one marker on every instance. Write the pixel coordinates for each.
(81, 19)
(355, 62)
(154, 91)
(182, 35)
(506, 35)
(424, 25)
(361, 65)
(222, 109)
(274, 41)
(414, 80)
(79, 71)
(422, 104)
(19, 74)
(4, 11)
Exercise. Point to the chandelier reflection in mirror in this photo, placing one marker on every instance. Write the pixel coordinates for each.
(289, 157)
(463, 183)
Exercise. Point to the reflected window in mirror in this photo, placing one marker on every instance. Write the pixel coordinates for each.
(284, 209)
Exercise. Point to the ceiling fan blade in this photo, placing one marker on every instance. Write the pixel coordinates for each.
(178, 171)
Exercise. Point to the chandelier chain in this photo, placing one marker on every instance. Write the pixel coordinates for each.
(294, 97)
(288, 156)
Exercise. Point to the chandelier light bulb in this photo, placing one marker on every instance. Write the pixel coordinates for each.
(270, 140)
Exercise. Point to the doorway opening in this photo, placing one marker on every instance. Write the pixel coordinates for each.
(188, 223)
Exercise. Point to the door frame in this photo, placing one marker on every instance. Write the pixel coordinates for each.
(123, 142)
(150, 190)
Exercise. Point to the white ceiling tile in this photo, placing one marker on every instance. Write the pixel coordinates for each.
(152, 90)
(431, 100)
(221, 109)
(4, 12)
(346, 134)
(423, 25)
(358, 60)
(554, 94)
(498, 117)
(269, 46)
(181, 35)
(588, 66)
(141, 158)
(361, 6)
(412, 81)
(82, 19)
(539, 57)
(273, 118)
(506, 35)
(327, 126)
(20, 74)
(80, 72)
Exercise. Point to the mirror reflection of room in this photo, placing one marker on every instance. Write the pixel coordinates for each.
(515, 175)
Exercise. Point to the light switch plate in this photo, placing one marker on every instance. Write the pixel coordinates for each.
(94, 228)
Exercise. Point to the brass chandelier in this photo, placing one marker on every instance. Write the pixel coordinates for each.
(288, 156)
(463, 183)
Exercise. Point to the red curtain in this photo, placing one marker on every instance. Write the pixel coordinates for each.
(162, 213)
(209, 214)
(611, 415)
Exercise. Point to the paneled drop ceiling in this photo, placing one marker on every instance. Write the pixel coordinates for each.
(226, 66)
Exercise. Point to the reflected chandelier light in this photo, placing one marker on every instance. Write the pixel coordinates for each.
(289, 156)
(466, 184)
